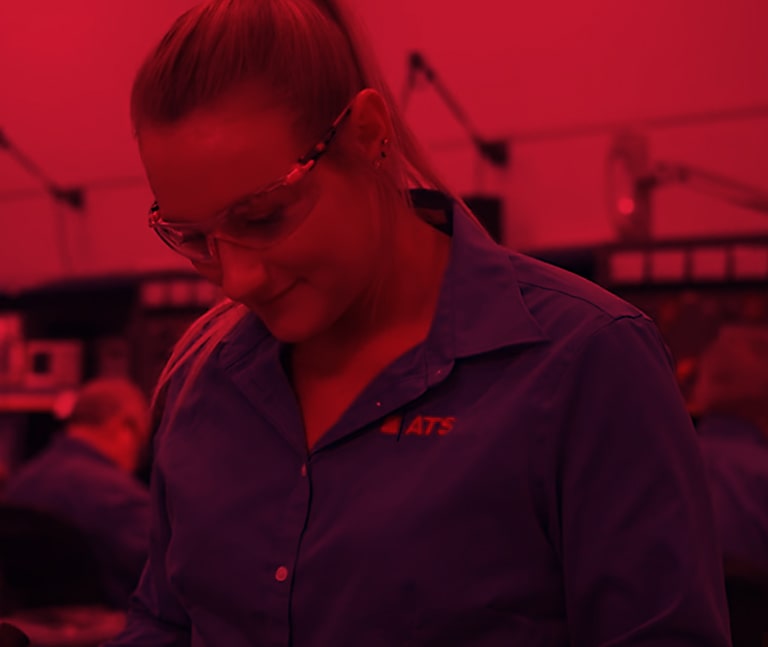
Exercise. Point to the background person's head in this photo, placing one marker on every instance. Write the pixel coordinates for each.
(112, 416)
(733, 375)
(235, 93)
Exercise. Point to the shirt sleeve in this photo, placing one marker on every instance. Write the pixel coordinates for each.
(156, 618)
(641, 561)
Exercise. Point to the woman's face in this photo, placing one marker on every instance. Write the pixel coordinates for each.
(301, 285)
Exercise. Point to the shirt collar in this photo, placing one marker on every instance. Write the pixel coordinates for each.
(480, 307)
(480, 294)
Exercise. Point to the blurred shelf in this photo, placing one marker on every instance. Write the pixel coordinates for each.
(697, 261)
(31, 401)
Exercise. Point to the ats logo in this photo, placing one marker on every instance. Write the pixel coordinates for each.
(419, 426)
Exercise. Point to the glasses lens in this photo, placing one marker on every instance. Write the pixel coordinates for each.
(187, 241)
(257, 222)
(264, 220)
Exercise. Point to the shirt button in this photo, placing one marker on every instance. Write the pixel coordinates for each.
(304, 469)
(281, 574)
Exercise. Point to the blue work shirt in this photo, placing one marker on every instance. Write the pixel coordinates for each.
(528, 475)
(73, 481)
(736, 458)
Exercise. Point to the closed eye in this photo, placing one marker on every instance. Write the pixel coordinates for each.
(191, 235)
(270, 218)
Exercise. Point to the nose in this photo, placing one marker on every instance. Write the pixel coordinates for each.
(243, 275)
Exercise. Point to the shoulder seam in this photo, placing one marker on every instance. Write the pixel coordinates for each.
(635, 314)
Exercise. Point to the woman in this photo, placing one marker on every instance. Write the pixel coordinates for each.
(394, 431)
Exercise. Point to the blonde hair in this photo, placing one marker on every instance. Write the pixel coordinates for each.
(310, 56)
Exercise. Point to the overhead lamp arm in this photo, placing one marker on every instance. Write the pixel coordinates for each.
(73, 197)
(496, 151)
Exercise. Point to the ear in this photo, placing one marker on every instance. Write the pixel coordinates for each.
(370, 127)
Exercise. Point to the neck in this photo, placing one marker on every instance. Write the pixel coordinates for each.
(393, 316)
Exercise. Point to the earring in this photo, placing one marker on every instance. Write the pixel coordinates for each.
(383, 154)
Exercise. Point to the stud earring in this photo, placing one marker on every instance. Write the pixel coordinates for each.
(382, 154)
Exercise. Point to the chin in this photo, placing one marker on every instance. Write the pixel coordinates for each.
(297, 321)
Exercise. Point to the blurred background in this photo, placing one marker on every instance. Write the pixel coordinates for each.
(624, 141)
(627, 142)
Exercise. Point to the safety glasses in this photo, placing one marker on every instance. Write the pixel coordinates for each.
(258, 220)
